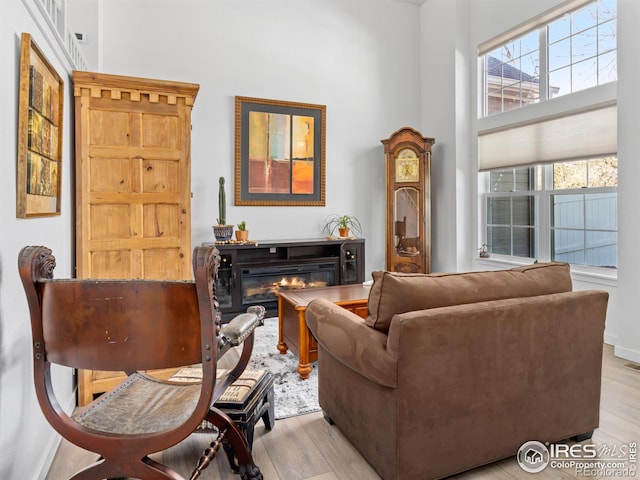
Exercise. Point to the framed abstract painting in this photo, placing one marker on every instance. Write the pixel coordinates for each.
(279, 153)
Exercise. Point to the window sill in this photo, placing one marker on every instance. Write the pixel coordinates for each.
(581, 273)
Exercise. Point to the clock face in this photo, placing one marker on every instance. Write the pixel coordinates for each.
(407, 166)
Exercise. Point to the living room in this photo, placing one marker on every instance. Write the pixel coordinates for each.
(377, 65)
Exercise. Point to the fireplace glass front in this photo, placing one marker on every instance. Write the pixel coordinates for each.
(261, 284)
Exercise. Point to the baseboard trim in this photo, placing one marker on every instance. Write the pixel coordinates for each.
(610, 339)
(627, 353)
(52, 444)
(49, 453)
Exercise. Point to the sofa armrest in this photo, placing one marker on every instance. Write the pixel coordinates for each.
(346, 337)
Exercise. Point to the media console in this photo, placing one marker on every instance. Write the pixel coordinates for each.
(253, 273)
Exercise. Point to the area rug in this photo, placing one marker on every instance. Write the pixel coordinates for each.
(293, 396)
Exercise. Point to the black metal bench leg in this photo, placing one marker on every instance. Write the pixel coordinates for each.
(243, 460)
(269, 417)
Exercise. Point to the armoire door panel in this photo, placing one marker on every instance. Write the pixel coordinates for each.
(110, 128)
(159, 263)
(161, 176)
(111, 264)
(120, 175)
(110, 222)
(160, 131)
(161, 221)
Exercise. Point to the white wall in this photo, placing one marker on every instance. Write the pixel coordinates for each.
(83, 16)
(357, 57)
(628, 331)
(27, 442)
(445, 61)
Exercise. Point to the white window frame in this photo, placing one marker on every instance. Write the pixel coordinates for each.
(539, 24)
(543, 202)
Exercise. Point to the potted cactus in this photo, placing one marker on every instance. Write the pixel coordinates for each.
(222, 231)
(242, 234)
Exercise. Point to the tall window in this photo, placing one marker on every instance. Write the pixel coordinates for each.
(573, 52)
(566, 211)
(549, 183)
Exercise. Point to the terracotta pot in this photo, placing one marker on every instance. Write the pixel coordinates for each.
(242, 235)
(344, 231)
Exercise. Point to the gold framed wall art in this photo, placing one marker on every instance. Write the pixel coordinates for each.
(279, 153)
(40, 114)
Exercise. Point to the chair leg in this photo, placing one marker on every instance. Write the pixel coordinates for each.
(243, 460)
(208, 456)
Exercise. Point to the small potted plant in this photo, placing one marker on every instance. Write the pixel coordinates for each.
(222, 231)
(343, 223)
(242, 234)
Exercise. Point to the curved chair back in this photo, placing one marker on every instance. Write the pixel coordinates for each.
(125, 325)
(120, 325)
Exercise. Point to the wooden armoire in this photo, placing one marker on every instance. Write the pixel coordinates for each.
(133, 185)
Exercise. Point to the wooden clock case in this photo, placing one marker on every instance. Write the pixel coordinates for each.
(408, 192)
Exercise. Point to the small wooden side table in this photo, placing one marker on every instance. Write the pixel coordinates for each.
(293, 333)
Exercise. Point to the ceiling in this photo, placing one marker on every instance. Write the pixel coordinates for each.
(415, 2)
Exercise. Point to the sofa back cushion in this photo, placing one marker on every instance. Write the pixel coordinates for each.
(393, 293)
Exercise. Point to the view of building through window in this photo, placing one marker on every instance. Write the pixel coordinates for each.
(512, 74)
(580, 50)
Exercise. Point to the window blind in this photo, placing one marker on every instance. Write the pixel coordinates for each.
(573, 136)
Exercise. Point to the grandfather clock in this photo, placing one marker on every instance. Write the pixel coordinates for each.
(408, 173)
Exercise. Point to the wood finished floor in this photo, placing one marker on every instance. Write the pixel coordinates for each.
(307, 448)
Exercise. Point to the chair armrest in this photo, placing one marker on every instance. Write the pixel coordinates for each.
(346, 337)
(241, 326)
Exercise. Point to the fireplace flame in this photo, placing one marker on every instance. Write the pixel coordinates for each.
(292, 282)
(268, 290)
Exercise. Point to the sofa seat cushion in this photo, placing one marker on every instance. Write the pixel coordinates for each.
(393, 293)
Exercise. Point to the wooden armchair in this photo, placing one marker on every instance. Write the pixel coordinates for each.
(132, 326)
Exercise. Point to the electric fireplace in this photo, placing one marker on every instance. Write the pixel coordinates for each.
(251, 274)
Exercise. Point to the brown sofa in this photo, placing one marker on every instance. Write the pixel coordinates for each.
(453, 371)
